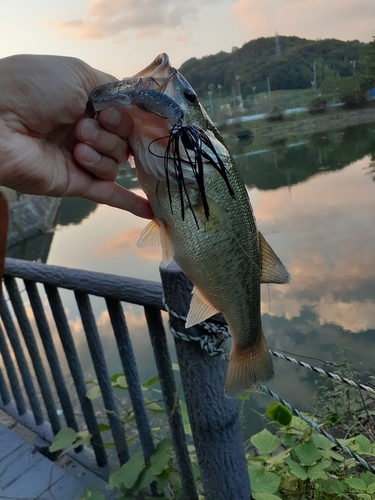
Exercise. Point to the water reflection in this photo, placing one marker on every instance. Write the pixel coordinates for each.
(315, 204)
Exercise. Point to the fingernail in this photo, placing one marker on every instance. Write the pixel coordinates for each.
(90, 155)
(89, 130)
(111, 116)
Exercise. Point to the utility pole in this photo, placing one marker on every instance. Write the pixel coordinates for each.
(277, 46)
(313, 83)
(353, 66)
(211, 107)
(255, 104)
(238, 78)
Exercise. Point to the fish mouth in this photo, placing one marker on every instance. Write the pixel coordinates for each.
(190, 150)
(155, 77)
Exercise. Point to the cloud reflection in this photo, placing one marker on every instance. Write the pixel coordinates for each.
(321, 232)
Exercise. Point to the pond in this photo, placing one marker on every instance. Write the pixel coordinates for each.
(315, 203)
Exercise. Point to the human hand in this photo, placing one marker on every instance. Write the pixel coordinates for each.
(49, 145)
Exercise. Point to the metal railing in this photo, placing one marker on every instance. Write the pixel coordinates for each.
(213, 418)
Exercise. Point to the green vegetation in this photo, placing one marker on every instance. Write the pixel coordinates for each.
(256, 61)
(253, 79)
(289, 461)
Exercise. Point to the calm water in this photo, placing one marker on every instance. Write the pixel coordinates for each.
(315, 204)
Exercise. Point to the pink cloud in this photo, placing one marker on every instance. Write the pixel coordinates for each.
(345, 20)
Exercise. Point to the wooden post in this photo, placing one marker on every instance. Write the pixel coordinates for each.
(213, 417)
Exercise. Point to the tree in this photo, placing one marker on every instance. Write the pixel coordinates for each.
(371, 63)
(351, 92)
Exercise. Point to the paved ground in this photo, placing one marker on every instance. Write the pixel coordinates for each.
(25, 474)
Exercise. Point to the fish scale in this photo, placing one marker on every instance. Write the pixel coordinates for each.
(219, 248)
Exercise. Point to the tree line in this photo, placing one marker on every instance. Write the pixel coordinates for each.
(300, 64)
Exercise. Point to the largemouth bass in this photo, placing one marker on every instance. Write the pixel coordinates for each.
(203, 216)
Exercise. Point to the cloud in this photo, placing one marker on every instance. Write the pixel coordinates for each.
(313, 19)
(139, 18)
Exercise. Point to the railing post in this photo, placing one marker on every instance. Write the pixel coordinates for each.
(213, 417)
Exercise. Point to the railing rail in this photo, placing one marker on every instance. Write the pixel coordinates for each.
(214, 418)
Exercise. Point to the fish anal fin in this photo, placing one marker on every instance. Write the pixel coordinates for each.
(247, 367)
(150, 235)
(166, 246)
(200, 309)
(273, 270)
(154, 235)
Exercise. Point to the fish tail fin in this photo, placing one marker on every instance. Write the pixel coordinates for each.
(247, 367)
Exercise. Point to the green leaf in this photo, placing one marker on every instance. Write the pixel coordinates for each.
(175, 367)
(279, 413)
(120, 383)
(265, 442)
(297, 426)
(130, 441)
(128, 473)
(364, 444)
(332, 454)
(162, 480)
(94, 392)
(321, 441)
(265, 496)
(145, 479)
(261, 480)
(364, 496)
(115, 479)
(356, 483)
(185, 418)
(154, 407)
(151, 382)
(317, 471)
(115, 376)
(368, 477)
(103, 427)
(175, 481)
(371, 488)
(308, 453)
(63, 438)
(296, 469)
(161, 456)
(336, 486)
(279, 458)
(92, 494)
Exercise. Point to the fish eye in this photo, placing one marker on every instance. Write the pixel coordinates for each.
(190, 95)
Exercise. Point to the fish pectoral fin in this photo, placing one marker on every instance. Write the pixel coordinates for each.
(273, 270)
(200, 309)
(150, 235)
(154, 235)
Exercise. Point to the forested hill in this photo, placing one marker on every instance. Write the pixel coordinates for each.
(291, 69)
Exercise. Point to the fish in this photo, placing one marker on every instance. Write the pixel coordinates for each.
(203, 218)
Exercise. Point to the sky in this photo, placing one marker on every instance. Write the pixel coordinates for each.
(122, 37)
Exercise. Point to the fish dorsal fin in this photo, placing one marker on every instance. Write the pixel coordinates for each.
(150, 235)
(154, 235)
(273, 270)
(200, 309)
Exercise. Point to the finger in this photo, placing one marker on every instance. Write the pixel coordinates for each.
(116, 119)
(106, 143)
(100, 166)
(117, 196)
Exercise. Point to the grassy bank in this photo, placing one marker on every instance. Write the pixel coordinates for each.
(296, 127)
